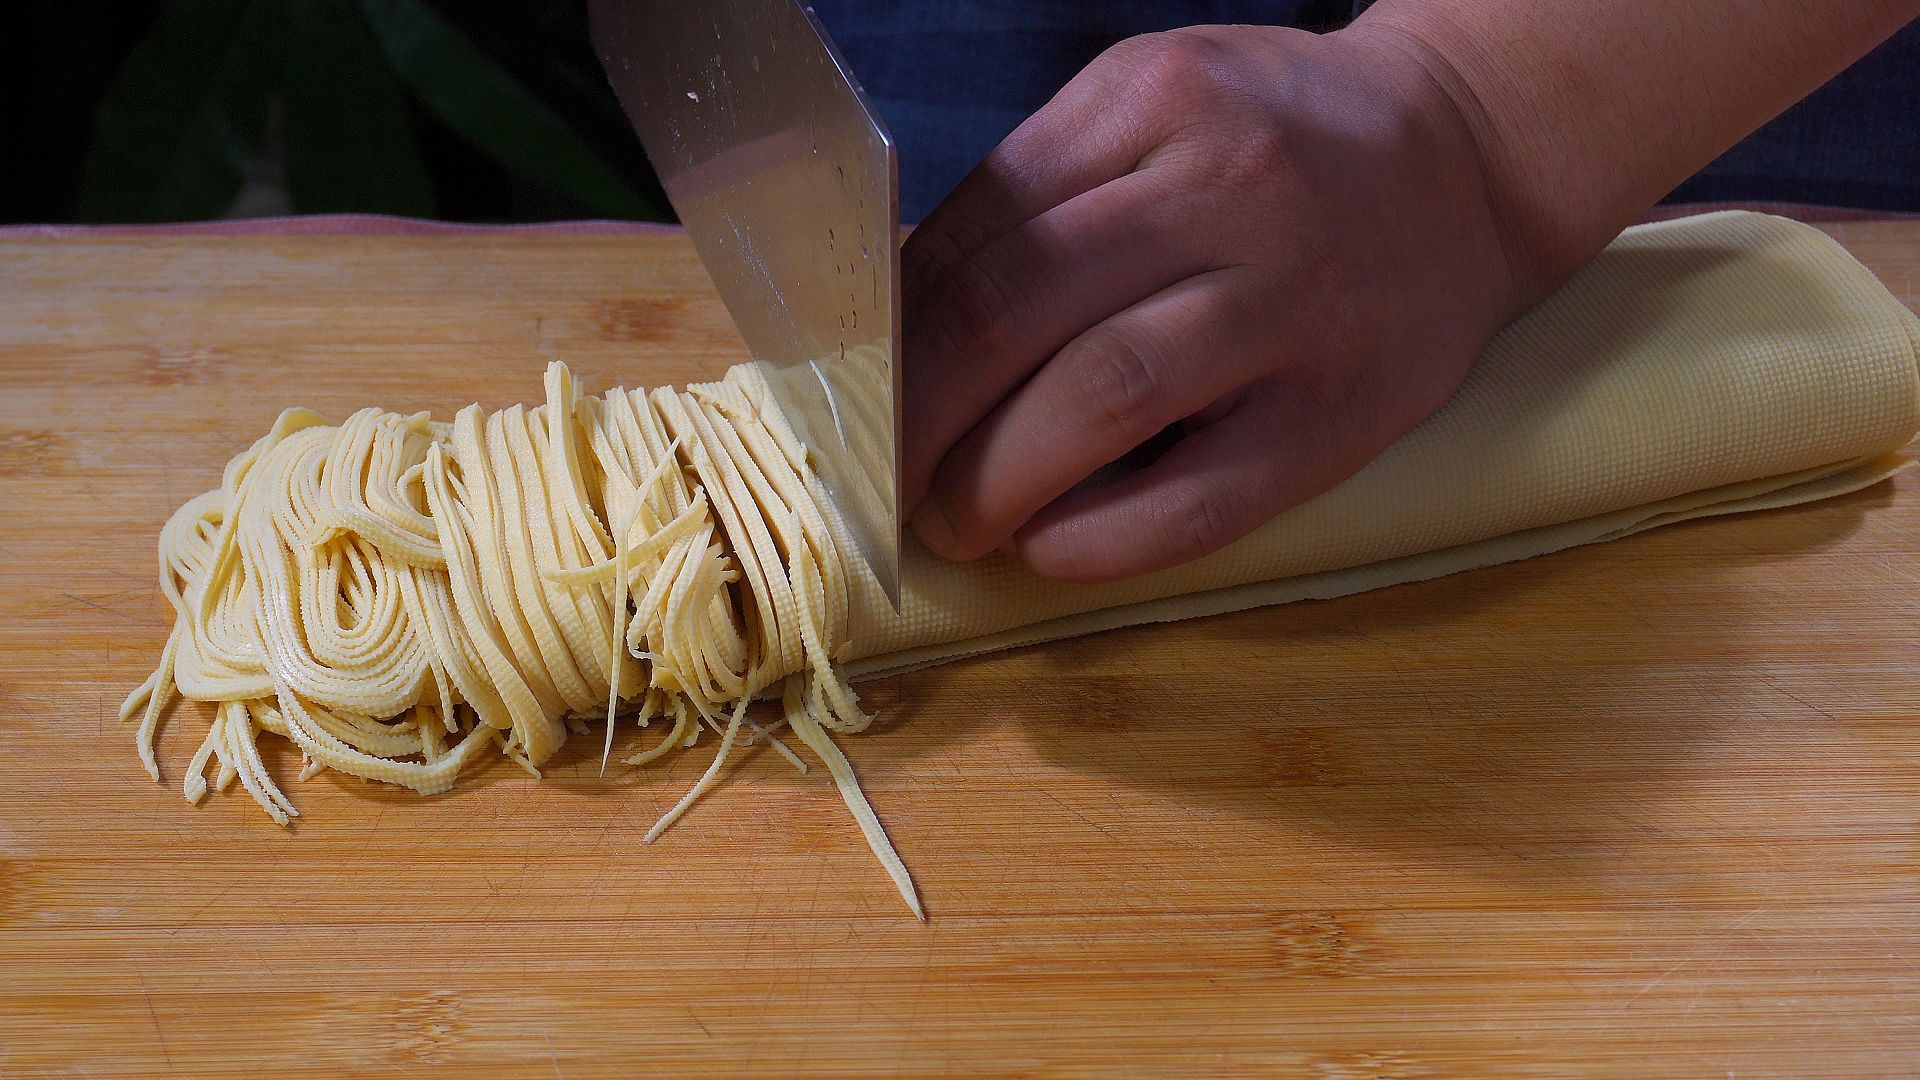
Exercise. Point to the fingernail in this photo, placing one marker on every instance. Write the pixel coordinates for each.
(930, 521)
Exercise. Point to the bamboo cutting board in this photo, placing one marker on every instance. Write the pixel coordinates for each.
(1646, 808)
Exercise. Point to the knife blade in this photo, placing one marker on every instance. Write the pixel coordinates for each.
(788, 184)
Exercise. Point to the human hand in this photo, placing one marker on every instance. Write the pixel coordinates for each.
(1285, 244)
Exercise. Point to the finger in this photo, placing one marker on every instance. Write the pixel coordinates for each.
(1003, 312)
(1277, 447)
(1107, 391)
(1089, 133)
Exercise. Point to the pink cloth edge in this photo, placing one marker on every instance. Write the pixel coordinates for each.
(383, 225)
(341, 225)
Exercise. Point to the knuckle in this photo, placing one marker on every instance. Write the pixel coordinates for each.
(980, 507)
(1213, 114)
(972, 535)
(983, 304)
(1200, 522)
(1125, 382)
(929, 252)
(1181, 66)
(942, 243)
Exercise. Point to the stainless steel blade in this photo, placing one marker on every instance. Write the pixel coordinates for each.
(788, 184)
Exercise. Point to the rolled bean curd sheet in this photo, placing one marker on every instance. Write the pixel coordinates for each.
(1726, 362)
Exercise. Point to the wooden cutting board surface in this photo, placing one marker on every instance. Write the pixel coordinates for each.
(1645, 808)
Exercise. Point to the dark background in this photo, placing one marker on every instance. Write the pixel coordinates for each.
(70, 53)
(160, 110)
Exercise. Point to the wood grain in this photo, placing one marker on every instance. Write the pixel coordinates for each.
(1645, 808)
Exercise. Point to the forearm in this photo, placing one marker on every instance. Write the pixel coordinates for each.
(1587, 113)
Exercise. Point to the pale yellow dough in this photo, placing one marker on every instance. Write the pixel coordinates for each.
(396, 595)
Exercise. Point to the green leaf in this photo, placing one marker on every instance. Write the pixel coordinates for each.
(185, 113)
(348, 129)
(477, 98)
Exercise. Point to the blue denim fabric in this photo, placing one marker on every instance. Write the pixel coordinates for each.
(953, 77)
(1853, 142)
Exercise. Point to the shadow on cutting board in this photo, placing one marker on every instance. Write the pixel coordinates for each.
(1537, 720)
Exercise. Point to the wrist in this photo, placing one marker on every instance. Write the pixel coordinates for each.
(1545, 236)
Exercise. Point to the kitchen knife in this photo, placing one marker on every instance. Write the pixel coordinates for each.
(787, 182)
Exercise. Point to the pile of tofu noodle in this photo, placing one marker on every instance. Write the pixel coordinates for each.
(396, 595)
